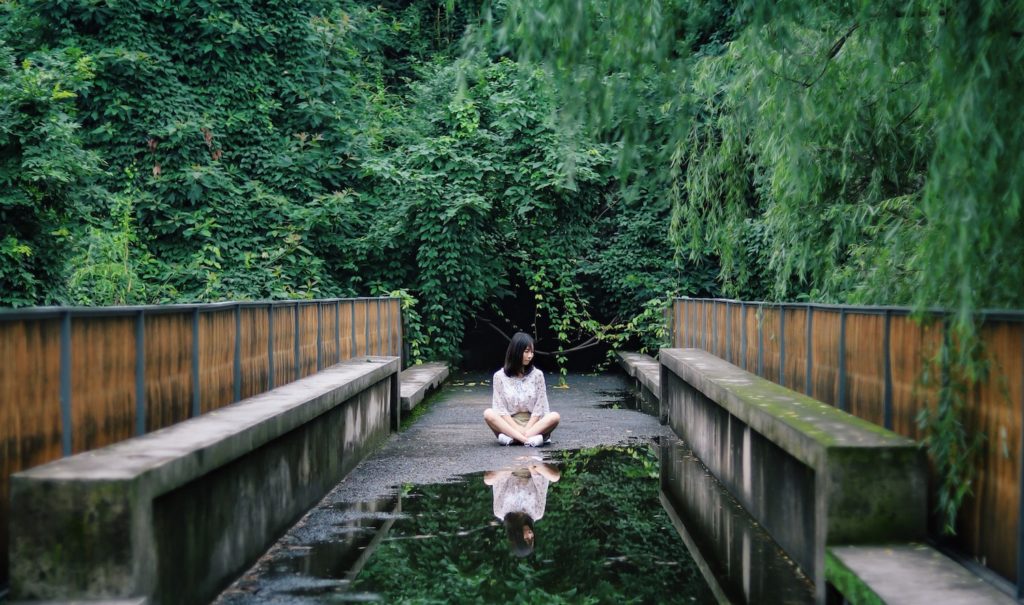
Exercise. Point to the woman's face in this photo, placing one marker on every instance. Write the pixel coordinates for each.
(527, 356)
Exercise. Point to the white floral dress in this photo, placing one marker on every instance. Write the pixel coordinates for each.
(513, 395)
(513, 494)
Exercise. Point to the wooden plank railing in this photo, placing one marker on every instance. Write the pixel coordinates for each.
(78, 378)
(870, 362)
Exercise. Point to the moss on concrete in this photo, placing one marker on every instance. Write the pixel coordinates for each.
(411, 416)
(876, 495)
(801, 412)
(57, 528)
(788, 406)
(849, 584)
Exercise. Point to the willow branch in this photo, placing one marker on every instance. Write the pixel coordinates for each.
(907, 117)
(838, 46)
(832, 52)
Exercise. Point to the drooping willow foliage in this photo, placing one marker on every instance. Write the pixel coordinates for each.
(853, 152)
(870, 152)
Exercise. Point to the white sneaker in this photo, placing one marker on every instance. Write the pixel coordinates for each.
(535, 441)
(504, 439)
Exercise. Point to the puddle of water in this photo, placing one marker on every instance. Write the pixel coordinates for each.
(354, 535)
(627, 399)
(316, 562)
(619, 399)
(599, 535)
(740, 559)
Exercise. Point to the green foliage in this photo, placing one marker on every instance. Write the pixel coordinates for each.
(414, 335)
(45, 171)
(239, 123)
(484, 207)
(651, 325)
(108, 266)
(876, 167)
(291, 149)
(568, 171)
(856, 152)
(879, 169)
(952, 450)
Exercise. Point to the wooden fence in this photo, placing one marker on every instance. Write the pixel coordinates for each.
(75, 379)
(870, 362)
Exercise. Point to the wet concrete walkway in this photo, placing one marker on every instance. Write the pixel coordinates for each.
(449, 440)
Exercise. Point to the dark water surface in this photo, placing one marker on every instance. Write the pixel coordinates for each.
(602, 537)
(627, 399)
(620, 399)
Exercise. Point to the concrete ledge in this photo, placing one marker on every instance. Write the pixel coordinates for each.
(811, 474)
(803, 426)
(906, 574)
(644, 368)
(197, 500)
(419, 380)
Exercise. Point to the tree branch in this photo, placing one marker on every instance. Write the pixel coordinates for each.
(832, 52)
(590, 342)
(907, 117)
(593, 341)
(836, 47)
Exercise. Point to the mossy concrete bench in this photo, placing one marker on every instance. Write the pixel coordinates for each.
(646, 372)
(418, 380)
(810, 474)
(906, 574)
(172, 516)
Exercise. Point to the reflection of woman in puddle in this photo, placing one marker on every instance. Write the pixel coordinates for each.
(519, 499)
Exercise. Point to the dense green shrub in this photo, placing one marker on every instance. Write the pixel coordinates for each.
(292, 149)
(46, 175)
(238, 123)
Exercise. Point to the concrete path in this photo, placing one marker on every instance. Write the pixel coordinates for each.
(450, 439)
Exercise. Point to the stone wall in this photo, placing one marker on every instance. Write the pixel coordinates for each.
(174, 515)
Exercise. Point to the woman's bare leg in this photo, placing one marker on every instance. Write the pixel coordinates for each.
(504, 424)
(544, 426)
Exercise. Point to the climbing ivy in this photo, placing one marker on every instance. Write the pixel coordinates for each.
(45, 171)
(236, 125)
(287, 149)
(491, 213)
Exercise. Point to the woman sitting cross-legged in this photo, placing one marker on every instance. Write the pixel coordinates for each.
(519, 406)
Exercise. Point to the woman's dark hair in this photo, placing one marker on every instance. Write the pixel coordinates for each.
(514, 524)
(514, 355)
